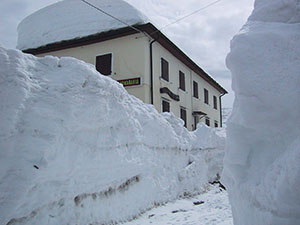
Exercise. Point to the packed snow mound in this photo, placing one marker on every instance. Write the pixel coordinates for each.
(261, 166)
(76, 148)
(70, 19)
(279, 11)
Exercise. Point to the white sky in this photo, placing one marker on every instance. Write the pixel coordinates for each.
(205, 37)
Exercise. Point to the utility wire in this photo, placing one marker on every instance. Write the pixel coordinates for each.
(136, 29)
(121, 21)
(176, 21)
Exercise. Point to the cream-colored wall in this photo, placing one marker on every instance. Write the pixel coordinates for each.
(131, 58)
(213, 114)
(186, 97)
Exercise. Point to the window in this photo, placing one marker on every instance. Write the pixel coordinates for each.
(207, 121)
(181, 81)
(206, 96)
(164, 69)
(216, 123)
(195, 89)
(165, 106)
(104, 64)
(196, 121)
(183, 115)
(215, 103)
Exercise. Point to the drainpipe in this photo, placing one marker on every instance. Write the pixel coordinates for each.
(220, 102)
(151, 68)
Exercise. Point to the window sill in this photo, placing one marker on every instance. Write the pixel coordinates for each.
(162, 79)
(182, 91)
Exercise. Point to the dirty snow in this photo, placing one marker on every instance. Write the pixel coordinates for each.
(209, 208)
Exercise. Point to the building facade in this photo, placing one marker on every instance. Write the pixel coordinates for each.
(151, 68)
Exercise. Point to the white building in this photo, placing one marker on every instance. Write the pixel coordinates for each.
(139, 56)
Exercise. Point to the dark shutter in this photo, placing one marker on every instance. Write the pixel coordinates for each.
(164, 69)
(215, 102)
(181, 81)
(195, 89)
(206, 96)
(183, 115)
(207, 121)
(165, 106)
(104, 64)
(216, 123)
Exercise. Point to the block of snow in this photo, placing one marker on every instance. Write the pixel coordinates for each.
(76, 148)
(262, 166)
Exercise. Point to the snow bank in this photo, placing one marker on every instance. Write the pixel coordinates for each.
(261, 167)
(70, 19)
(75, 148)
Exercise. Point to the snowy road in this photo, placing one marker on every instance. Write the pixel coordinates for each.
(210, 208)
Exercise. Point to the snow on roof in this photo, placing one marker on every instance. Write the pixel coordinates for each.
(70, 19)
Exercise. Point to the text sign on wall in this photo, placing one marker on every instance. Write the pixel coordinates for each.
(130, 82)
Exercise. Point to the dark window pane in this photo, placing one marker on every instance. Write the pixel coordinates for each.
(183, 115)
(215, 102)
(206, 96)
(195, 89)
(207, 121)
(196, 121)
(216, 123)
(181, 81)
(165, 106)
(104, 64)
(164, 69)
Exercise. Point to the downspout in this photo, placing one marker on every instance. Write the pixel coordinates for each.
(151, 69)
(220, 103)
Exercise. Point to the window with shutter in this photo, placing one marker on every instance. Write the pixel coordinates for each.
(165, 106)
(206, 96)
(195, 89)
(215, 103)
(164, 69)
(207, 121)
(104, 64)
(216, 123)
(181, 81)
(183, 115)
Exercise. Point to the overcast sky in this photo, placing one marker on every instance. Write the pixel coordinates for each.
(205, 36)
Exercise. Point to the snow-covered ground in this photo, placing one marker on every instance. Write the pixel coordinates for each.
(209, 208)
(76, 148)
(261, 167)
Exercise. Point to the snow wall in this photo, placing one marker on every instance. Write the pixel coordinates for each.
(262, 161)
(75, 148)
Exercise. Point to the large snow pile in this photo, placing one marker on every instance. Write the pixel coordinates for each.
(69, 19)
(75, 148)
(262, 162)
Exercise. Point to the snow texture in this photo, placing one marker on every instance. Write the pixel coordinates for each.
(76, 148)
(261, 166)
(209, 208)
(70, 19)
